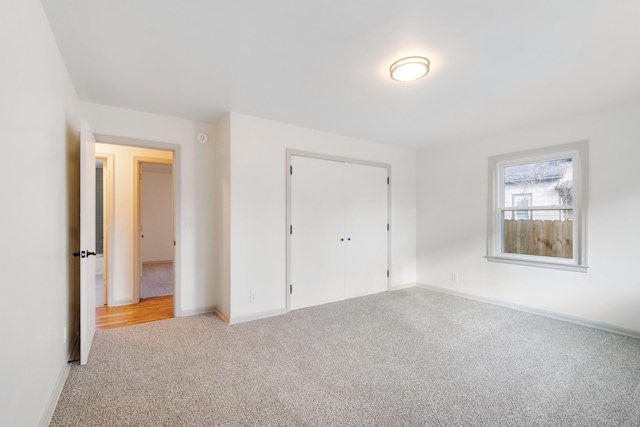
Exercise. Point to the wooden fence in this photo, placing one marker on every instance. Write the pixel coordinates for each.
(546, 238)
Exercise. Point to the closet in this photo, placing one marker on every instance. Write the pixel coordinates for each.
(339, 230)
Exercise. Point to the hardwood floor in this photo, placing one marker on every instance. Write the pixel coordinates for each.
(148, 310)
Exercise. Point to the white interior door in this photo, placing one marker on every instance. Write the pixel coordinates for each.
(317, 240)
(366, 229)
(87, 240)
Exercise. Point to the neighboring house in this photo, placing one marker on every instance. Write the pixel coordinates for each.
(539, 184)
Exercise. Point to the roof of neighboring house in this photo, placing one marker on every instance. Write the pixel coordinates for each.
(537, 172)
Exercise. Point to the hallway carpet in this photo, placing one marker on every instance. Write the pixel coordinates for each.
(157, 279)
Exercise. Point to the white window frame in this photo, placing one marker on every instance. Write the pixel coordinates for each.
(578, 152)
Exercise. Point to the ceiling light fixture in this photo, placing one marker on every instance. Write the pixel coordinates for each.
(409, 69)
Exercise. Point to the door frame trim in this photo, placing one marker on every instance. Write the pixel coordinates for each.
(175, 148)
(290, 152)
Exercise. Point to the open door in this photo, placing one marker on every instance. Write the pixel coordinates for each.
(87, 240)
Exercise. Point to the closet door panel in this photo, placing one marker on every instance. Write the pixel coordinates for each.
(318, 221)
(366, 229)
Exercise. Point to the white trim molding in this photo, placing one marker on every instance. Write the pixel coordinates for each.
(56, 391)
(222, 315)
(539, 312)
(403, 286)
(196, 311)
(256, 316)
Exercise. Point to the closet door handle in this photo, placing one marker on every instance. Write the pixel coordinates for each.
(349, 238)
(342, 240)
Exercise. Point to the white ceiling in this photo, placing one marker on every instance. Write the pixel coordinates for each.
(496, 64)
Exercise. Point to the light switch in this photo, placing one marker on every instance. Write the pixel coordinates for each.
(188, 221)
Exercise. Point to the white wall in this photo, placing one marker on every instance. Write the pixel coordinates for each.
(194, 176)
(157, 216)
(39, 192)
(121, 228)
(452, 220)
(258, 207)
(222, 216)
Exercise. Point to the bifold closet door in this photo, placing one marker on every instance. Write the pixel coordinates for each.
(366, 201)
(317, 218)
(339, 214)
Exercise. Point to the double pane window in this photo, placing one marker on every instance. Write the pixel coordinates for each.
(538, 207)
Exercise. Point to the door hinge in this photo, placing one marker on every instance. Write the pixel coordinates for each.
(290, 170)
(387, 273)
(290, 289)
(387, 227)
(387, 180)
(291, 229)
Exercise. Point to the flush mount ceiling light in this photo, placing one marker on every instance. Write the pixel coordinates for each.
(409, 69)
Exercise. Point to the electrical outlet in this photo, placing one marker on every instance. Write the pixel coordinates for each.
(454, 277)
(252, 296)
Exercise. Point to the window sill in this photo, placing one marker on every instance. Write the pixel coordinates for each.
(538, 263)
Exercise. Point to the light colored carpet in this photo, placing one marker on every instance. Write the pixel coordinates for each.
(405, 358)
(157, 279)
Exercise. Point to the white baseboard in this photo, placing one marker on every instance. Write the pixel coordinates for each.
(256, 316)
(121, 302)
(222, 315)
(403, 286)
(266, 314)
(532, 310)
(196, 311)
(52, 402)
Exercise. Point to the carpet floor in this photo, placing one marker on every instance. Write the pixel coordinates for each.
(406, 358)
(157, 279)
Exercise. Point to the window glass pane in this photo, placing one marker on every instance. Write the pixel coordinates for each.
(548, 183)
(542, 215)
(542, 233)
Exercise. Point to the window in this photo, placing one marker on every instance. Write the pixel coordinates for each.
(522, 201)
(538, 207)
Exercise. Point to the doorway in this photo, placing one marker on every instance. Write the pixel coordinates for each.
(124, 253)
(154, 195)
